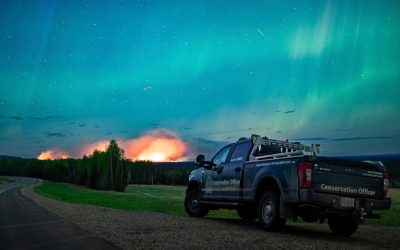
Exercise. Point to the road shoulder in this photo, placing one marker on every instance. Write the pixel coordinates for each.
(144, 230)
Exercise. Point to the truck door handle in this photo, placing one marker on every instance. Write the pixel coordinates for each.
(238, 169)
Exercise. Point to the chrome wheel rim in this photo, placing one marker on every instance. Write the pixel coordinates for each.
(193, 203)
(268, 211)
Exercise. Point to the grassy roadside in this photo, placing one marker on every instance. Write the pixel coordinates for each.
(5, 181)
(157, 198)
(167, 199)
(390, 217)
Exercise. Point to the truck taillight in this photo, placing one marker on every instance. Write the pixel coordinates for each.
(304, 171)
(385, 183)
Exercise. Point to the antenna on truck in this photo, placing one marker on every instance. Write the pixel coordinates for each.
(287, 149)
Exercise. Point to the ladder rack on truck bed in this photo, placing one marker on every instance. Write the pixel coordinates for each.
(287, 149)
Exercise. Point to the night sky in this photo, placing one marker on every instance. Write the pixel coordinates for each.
(76, 72)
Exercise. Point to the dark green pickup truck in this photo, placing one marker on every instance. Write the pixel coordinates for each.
(275, 180)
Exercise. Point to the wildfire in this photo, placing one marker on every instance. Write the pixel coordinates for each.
(158, 145)
(52, 155)
(100, 146)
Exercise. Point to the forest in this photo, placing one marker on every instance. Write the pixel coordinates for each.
(107, 170)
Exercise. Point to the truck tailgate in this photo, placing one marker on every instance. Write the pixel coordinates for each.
(346, 177)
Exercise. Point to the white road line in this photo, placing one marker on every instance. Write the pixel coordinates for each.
(2, 191)
(17, 183)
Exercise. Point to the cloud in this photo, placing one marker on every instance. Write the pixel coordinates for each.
(54, 134)
(310, 139)
(363, 138)
(356, 138)
(289, 111)
(35, 142)
(42, 117)
(81, 125)
(17, 118)
(32, 117)
(340, 130)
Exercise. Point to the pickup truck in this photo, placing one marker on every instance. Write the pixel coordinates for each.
(272, 181)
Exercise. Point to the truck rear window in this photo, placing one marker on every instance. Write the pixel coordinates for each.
(267, 150)
(240, 152)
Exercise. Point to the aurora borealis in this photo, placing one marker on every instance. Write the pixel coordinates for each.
(77, 72)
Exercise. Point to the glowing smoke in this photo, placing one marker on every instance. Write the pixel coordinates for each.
(52, 155)
(100, 146)
(157, 145)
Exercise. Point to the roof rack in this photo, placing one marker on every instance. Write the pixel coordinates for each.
(288, 149)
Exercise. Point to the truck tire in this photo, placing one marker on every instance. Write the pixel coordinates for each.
(247, 214)
(192, 206)
(343, 226)
(268, 212)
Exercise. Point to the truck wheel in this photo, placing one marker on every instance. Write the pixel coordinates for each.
(268, 212)
(192, 206)
(247, 214)
(343, 226)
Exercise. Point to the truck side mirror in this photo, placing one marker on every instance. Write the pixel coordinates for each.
(200, 160)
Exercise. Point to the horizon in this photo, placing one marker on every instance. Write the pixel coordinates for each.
(169, 80)
(192, 161)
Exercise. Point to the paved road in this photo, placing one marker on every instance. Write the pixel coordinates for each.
(25, 225)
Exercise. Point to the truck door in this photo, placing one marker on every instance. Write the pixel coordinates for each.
(232, 170)
(212, 178)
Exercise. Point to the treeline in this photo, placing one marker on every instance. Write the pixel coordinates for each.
(146, 172)
(100, 170)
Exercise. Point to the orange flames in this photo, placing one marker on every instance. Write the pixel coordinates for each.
(100, 146)
(156, 145)
(52, 155)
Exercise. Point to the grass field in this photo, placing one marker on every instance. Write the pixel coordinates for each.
(390, 217)
(157, 198)
(166, 199)
(4, 181)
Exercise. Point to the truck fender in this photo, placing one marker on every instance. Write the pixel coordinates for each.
(195, 180)
(263, 183)
(267, 178)
(193, 184)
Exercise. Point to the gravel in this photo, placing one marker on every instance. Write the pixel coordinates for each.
(149, 230)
